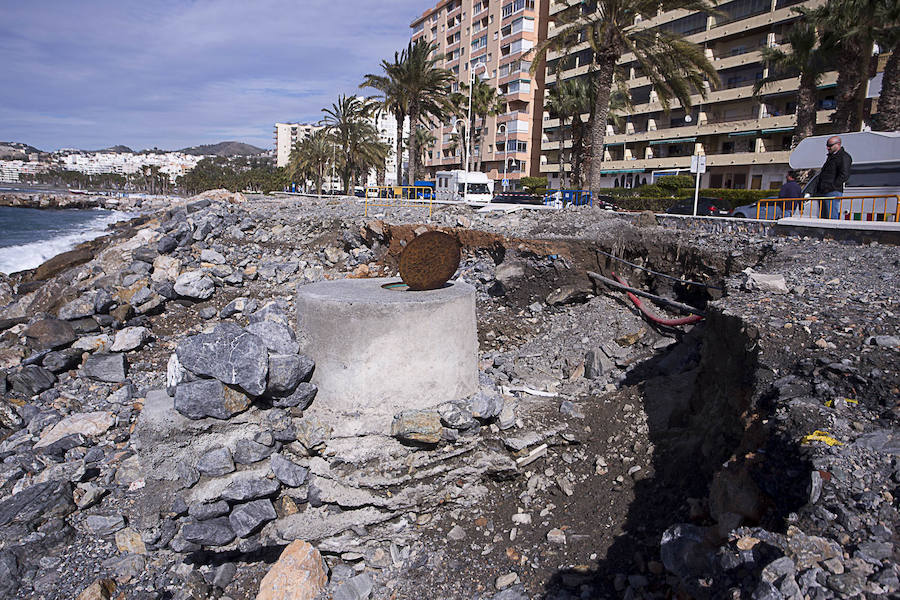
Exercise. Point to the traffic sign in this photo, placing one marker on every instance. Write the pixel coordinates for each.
(698, 163)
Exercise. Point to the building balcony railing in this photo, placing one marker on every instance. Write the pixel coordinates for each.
(684, 162)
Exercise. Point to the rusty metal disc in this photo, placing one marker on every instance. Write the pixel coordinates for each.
(429, 260)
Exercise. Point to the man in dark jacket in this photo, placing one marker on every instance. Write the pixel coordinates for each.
(790, 189)
(834, 174)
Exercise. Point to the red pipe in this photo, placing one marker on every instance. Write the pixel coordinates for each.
(667, 322)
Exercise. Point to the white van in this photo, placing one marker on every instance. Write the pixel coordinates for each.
(471, 187)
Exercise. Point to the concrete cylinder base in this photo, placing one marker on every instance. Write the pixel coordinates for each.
(379, 351)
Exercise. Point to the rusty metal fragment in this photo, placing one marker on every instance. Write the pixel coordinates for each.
(429, 260)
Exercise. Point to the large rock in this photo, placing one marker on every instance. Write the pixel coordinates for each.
(63, 261)
(214, 532)
(419, 426)
(277, 337)
(299, 574)
(49, 333)
(248, 452)
(130, 338)
(38, 504)
(216, 462)
(62, 360)
(32, 380)
(247, 518)
(229, 354)
(165, 268)
(286, 371)
(78, 308)
(209, 398)
(242, 490)
(300, 398)
(195, 284)
(287, 471)
(105, 367)
(89, 424)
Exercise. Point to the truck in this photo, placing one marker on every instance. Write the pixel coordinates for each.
(470, 187)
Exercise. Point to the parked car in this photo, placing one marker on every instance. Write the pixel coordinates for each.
(768, 209)
(516, 198)
(706, 207)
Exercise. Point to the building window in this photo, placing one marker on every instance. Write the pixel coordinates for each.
(517, 5)
(479, 43)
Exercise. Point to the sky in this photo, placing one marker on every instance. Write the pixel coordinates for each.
(170, 74)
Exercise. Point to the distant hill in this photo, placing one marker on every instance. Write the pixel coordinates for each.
(224, 149)
(16, 150)
(118, 149)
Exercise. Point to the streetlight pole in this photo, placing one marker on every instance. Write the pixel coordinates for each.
(469, 125)
(505, 151)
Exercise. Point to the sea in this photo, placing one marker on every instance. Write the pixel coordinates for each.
(30, 236)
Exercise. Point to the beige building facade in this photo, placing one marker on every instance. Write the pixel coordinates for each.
(288, 134)
(493, 38)
(746, 140)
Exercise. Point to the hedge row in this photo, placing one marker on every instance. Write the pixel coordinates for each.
(637, 203)
(731, 197)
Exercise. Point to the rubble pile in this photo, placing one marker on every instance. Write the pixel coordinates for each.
(155, 437)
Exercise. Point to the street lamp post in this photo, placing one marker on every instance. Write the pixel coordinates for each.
(505, 152)
(469, 125)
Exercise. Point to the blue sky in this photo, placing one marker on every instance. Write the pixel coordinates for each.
(90, 74)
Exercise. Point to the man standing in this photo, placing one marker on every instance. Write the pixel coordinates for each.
(834, 174)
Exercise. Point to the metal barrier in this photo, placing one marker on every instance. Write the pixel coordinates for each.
(399, 195)
(569, 197)
(882, 208)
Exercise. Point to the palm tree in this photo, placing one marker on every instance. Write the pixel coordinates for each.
(426, 88)
(393, 98)
(887, 36)
(348, 122)
(674, 66)
(311, 158)
(425, 140)
(567, 100)
(806, 56)
(856, 24)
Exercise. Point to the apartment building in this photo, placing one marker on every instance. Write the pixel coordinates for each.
(288, 134)
(493, 39)
(746, 140)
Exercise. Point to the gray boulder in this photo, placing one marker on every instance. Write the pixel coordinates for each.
(276, 311)
(247, 452)
(78, 308)
(62, 360)
(301, 397)
(486, 404)
(242, 490)
(247, 518)
(211, 510)
(32, 380)
(214, 532)
(355, 588)
(287, 471)
(230, 354)
(277, 337)
(37, 504)
(216, 462)
(209, 398)
(238, 305)
(105, 367)
(286, 371)
(104, 524)
(130, 338)
(166, 244)
(195, 284)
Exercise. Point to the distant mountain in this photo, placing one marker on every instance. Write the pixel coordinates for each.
(224, 149)
(117, 149)
(16, 150)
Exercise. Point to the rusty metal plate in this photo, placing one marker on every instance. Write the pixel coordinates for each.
(429, 260)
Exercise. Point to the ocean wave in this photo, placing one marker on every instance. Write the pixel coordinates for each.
(34, 254)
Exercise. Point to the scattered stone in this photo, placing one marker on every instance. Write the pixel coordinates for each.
(300, 398)
(101, 525)
(100, 589)
(764, 282)
(129, 541)
(299, 574)
(248, 452)
(105, 367)
(130, 338)
(209, 510)
(216, 462)
(90, 424)
(277, 337)
(242, 490)
(286, 371)
(31, 380)
(486, 404)
(556, 536)
(288, 472)
(247, 518)
(457, 533)
(209, 398)
(417, 426)
(195, 284)
(78, 308)
(355, 588)
(214, 532)
(504, 581)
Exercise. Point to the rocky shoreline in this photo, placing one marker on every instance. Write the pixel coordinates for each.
(155, 437)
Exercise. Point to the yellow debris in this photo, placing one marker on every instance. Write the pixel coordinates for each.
(821, 436)
(830, 403)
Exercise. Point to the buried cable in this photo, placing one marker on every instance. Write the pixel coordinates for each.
(651, 271)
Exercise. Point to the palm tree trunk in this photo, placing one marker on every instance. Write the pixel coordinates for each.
(562, 144)
(853, 73)
(577, 149)
(806, 110)
(889, 100)
(400, 118)
(605, 67)
(413, 144)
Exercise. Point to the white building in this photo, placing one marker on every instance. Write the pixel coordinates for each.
(386, 124)
(173, 164)
(288, 134)
(11, 171)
